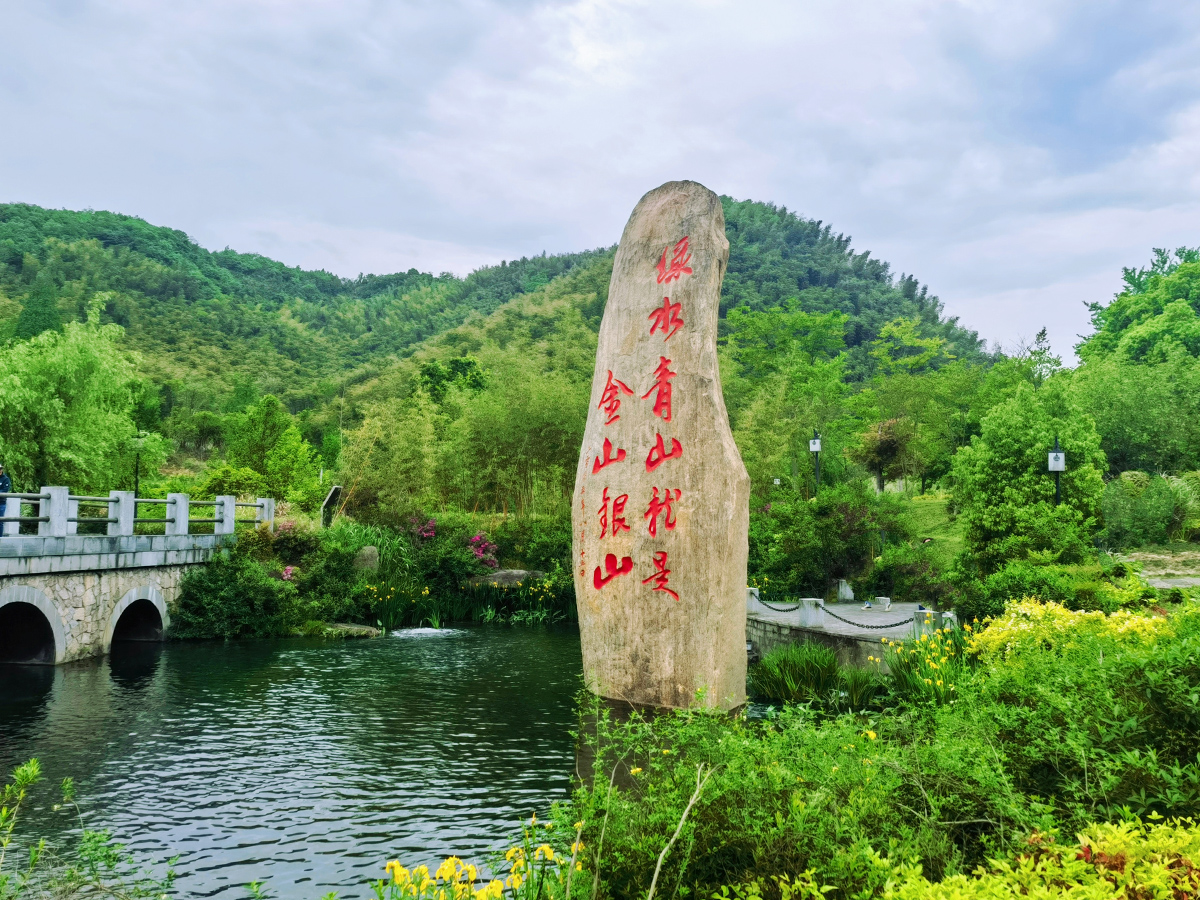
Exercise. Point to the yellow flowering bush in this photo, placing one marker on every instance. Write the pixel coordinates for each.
(1031, 625)
(929, 667)
(1124, 860)
(531, 871)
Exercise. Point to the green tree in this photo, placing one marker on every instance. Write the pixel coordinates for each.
(252, 435)
(1148, 414)
(1005, 493)
(388, 463)
(901, 347)
(40, 312)
(66, 409)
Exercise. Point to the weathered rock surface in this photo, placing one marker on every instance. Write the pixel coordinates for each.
(661, 502)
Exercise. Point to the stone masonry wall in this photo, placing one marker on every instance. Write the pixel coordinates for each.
(86, 601)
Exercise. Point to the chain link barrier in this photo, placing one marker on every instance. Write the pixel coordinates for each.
(872, 627)
(787, 609)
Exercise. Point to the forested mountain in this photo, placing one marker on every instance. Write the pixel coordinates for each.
(216, 329)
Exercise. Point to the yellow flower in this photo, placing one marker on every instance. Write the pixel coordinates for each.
(578, 825)
(870, 735)
(398, 872)
(834, 769)
(578, 867)
(544, 851)
(665, 752)
(576, 847)
(636, 770)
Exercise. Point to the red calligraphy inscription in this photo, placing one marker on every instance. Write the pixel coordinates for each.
(667, 318)
(610, 400)
(612, 570)
(662, 506)
(609, 459)
(662, 384)
(618, 519)
(660, 576)
(658, 453)
(680, 257)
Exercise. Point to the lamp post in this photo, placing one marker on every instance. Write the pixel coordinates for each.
(814, 447)
(1057, 463)
(137, 460)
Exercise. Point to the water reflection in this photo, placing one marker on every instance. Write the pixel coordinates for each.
(306, 763)
(133, 664)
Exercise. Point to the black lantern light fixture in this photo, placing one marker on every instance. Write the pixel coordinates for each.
(1057, 464)
(814, 447)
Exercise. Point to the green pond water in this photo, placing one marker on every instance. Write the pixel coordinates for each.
(302, 763)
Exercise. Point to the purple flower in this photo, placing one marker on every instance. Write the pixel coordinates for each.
(288, 571)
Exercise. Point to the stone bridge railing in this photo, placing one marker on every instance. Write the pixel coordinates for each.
(96, 571)
(61, 529)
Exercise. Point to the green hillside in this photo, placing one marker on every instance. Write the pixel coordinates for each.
(208, 322)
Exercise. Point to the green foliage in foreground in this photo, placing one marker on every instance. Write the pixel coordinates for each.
(93, 867)
(1067, 718)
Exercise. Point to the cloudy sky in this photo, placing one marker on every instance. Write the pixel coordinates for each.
(1011, 154)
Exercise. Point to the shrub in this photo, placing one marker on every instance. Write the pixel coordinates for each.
(803, 672)
(804, 546)
(1123, 860)
(1096, 711)
(907, 573)
(534, 542)
(1005, 494)
(1141, 509)
(232, 597)
(793, 794)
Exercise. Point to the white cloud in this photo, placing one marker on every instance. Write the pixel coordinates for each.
(1014, 155)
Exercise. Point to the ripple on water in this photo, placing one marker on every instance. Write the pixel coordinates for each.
(305, 763)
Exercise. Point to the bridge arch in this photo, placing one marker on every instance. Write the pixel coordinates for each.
(139, 606)
(31, 628)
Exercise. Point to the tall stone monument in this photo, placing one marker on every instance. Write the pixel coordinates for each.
(661, 503)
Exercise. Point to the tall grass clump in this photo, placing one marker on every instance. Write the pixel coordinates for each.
(796, 673)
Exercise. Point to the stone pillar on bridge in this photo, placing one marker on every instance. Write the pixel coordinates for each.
(123, 510)
(55, 511)
(265, 515)
(226, 511)
(177, 509)
(12, 509)
(72, 516)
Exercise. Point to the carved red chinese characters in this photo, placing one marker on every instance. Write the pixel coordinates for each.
(610, 400)
(609, 459)
(660, 576)
(661, 506)
(659, 454)
(666, 318)
(611, 570)
(668, 272)
(618, 507)
(662, 384)
(662, 602)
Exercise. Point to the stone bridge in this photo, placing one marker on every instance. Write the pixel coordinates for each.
(88, 571)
